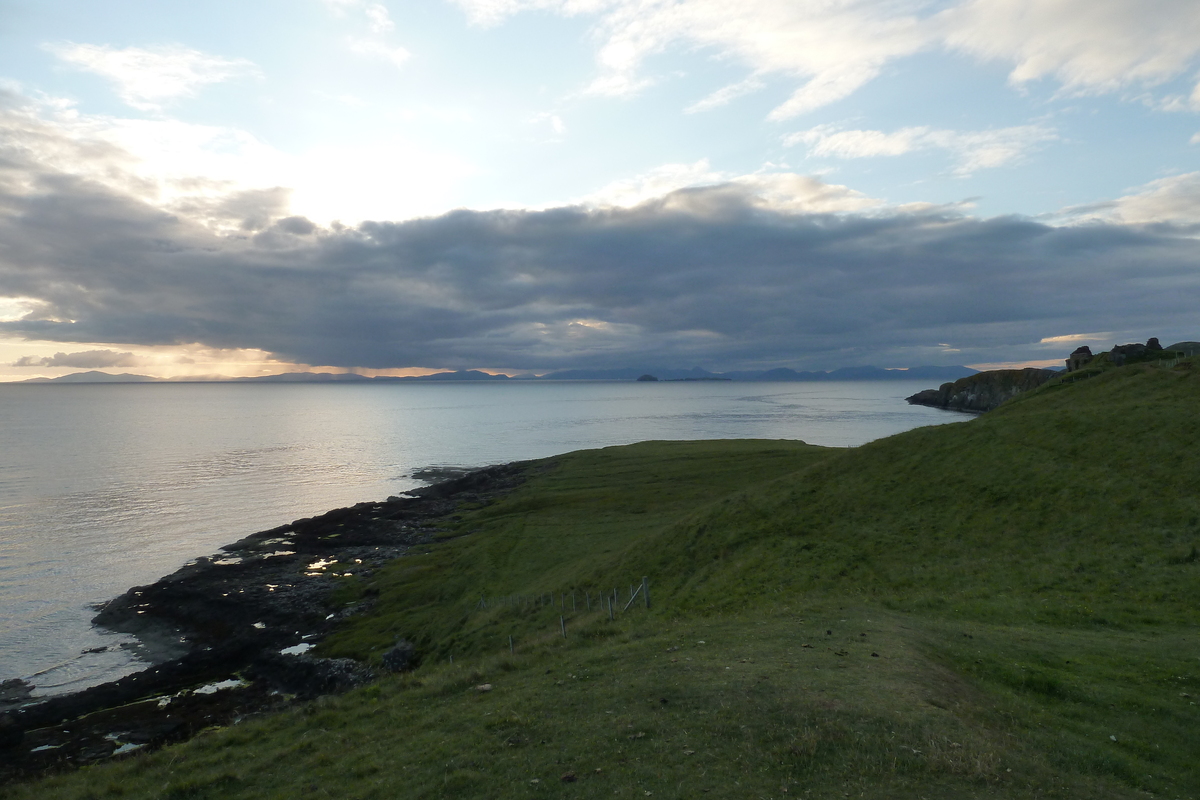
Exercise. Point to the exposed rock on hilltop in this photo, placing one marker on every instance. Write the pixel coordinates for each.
(983, 391)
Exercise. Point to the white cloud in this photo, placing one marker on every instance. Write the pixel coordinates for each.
(827, 140)
(974, 150)
(834, 47)
(779, 191)
(726, 94)
(379, 23)
(227, 178)
(629, 192)
(1174, 200)
(1074, 338)
(553, 121)
(1087, 45)
(148, 78)
(380, 19)
(377, 49)
(1195, 139)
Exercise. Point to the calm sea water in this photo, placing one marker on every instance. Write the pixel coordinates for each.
(103, 487)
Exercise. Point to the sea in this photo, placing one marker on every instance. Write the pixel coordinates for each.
(108, 486)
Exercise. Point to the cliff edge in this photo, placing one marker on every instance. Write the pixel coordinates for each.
(982, 391)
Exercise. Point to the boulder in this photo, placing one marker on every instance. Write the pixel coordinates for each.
(400, 658)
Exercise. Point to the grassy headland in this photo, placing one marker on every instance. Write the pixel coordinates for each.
(1004, 607)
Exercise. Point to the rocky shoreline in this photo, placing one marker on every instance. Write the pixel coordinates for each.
(226, 635)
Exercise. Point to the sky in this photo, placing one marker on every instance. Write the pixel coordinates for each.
(240, 188)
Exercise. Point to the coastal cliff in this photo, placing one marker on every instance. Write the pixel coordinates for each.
(982, 391)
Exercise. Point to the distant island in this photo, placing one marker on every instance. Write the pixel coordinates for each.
(925, 373)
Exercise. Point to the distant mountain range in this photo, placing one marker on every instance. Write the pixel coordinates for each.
(932, 374)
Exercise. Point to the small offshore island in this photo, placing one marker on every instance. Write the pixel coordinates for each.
(1003, 607)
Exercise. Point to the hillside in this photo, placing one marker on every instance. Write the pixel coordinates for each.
(1003, 607)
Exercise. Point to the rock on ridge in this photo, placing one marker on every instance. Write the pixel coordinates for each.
(983, 391)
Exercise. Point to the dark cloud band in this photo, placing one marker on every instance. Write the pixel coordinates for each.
(705, 276)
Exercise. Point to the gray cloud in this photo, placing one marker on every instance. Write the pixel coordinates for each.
(712, 276)
(90, 359)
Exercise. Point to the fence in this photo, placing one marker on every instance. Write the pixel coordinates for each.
(561, 600)
(603, 600)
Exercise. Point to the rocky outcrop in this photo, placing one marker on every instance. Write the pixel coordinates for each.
(229, 632)
(983, 391)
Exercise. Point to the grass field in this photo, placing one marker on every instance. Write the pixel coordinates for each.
(1005, 607)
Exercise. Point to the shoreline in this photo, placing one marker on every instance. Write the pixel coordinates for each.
(225, 634)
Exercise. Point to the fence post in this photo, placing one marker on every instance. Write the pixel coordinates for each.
(562, 621)
(646, 591)
(610, 607)
(510, 645)
(572, 601)
(587, 596)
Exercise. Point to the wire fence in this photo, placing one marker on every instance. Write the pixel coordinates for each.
(606, 601)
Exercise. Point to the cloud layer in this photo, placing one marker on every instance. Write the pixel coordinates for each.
(760, 270)
(90, 359)
(742, 273)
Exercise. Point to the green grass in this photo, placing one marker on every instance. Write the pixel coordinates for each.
(1011, 605)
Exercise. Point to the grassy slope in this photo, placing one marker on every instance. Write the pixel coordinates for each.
(1025, 580)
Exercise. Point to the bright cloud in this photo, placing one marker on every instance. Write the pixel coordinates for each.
(974, 150)
(379, 24)
(227, 178)
(1174, 200)
(1074, 338)
(833, 48)
(377, 49)
(1087, 45)
(148, 78)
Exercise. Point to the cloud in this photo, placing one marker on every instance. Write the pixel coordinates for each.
(1089, 46)
(752, 270)
(1174, 201)
(227, 178)
(974, 150)
(832, 49)
(379, 24)
(91, 359)
(377, 49)
(683, 264)
(149, 78)
(727, 94)
(553, 121)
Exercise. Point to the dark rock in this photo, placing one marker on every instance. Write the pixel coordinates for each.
(10, 732)
(983, 391)
(1125, 353)
(647, 377)
(14, 692)
(230, 615)
(1079, 358)
(1153, 344)
(401, 657)
(308, 677)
